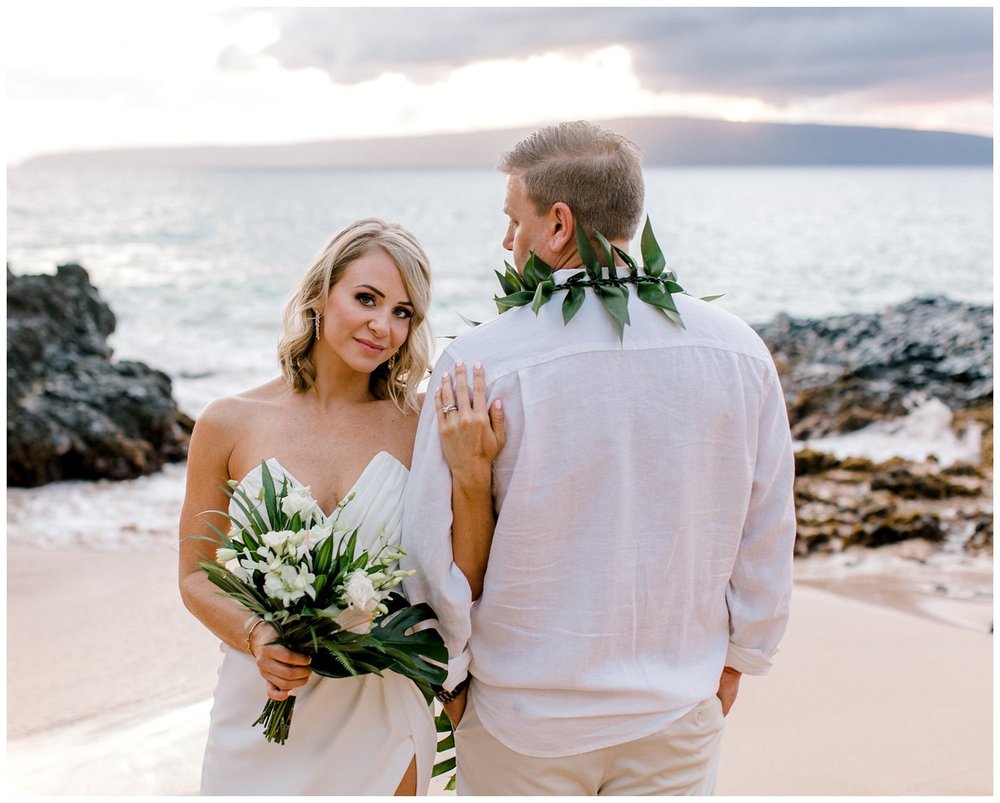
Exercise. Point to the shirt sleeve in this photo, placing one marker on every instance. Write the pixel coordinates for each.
(761, 582)
(426, 537)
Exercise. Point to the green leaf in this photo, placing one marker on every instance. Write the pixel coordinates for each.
(506, 283)
(542, 294)
(323, 557)
(244, 593)
(543, 269)
(587, 254)
(446, 743)
(345, 555)
(270, 496)
(572, 303)
(653, 294)
(518, 299)
(244, 503)
(528, 277)
(615, 300)
(674, 317)
(468, 321)
(446, 765)
(452, 784)
(221, 538)
(419, 655)
(627, 259)
(536, 271)
(607, 253)
(652, 255)
(712, 298)
(672, 287)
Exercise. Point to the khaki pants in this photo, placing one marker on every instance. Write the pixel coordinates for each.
(682, 759)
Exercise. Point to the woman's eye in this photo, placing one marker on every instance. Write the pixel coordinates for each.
(403, 312)
(366, 298)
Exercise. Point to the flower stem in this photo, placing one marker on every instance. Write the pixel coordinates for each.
(276, 719)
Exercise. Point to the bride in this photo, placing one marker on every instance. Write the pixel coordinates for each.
(341, 420)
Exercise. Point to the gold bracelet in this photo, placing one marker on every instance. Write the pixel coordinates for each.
(256, 624)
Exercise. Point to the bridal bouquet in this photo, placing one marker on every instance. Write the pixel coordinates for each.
(290, 565)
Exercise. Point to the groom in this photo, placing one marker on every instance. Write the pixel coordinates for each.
(642, 555)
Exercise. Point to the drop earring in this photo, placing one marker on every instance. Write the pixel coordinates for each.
(316, 317)
(391, 363)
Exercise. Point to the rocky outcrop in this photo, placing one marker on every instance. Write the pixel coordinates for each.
(854, 502)
(72, 412)
(843, 373)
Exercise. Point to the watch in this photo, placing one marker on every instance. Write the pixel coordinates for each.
(447, 696)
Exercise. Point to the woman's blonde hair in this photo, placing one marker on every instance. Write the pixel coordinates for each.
(398, 382)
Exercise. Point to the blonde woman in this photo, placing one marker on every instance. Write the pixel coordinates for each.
(341, 419)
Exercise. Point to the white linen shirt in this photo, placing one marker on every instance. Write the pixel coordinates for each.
(645, 521)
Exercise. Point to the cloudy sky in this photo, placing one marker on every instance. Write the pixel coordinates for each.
(97, 75)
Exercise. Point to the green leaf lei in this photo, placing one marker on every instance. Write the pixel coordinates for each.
(656, 285)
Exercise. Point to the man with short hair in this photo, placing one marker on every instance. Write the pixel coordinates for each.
(641, 559)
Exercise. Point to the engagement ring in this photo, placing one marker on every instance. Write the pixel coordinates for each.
(448, 408)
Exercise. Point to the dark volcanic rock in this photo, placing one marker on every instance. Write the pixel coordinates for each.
(72, 413)
(842, 373)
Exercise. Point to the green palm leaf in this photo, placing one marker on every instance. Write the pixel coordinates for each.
(652, 255)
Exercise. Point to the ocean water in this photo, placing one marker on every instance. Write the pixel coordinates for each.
(197, 264)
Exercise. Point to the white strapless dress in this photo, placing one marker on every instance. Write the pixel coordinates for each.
(349, 736)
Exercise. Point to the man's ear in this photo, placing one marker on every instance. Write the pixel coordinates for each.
(562, 227)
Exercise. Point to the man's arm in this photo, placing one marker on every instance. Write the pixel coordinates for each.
(760, 585)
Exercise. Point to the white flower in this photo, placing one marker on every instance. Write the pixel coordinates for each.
(359, 592)
(289, 583)
(224, 554)
(344, 502)
(299, 500)
(270, 561)
(277, 540)
(235, 567)
(391, 553)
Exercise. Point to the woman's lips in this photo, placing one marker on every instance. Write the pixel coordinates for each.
(371, 348)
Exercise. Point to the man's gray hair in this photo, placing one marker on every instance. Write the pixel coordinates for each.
(594, 171)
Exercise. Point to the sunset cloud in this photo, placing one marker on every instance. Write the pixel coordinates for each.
(141, 75)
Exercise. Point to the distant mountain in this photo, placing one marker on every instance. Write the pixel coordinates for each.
(664, 141)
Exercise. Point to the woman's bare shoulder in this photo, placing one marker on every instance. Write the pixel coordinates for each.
(238, 409)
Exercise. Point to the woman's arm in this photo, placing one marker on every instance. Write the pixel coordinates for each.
(471, 436)
(212, 442)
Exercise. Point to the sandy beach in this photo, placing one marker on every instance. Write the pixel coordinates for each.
(109, 682)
